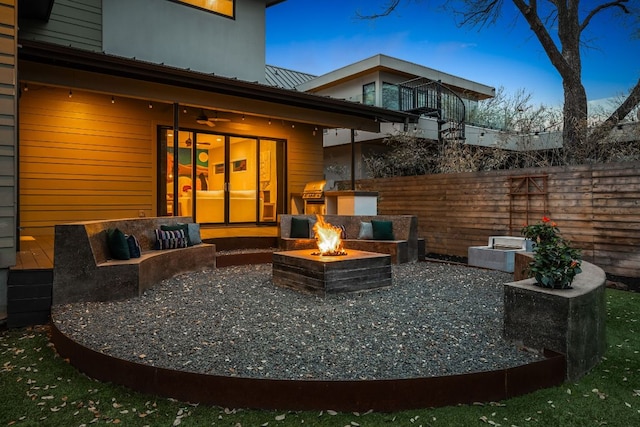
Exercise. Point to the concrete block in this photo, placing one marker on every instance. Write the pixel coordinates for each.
(568, 321)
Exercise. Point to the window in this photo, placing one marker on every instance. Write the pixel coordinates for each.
(369, 94)
(390, 96)
(222, 7)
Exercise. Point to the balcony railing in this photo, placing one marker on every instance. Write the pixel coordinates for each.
(432, 99)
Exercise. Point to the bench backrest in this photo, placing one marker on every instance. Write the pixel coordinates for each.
(96, 233)
(507, 242)
(405, 227)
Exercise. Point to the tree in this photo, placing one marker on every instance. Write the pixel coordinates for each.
(559, 26)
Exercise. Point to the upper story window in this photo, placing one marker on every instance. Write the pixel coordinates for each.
(390, 96)
(369, 94)
(222, 7)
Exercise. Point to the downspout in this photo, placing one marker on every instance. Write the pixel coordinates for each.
(353, 159)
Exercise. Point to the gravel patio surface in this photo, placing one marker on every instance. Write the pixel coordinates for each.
(437, 319)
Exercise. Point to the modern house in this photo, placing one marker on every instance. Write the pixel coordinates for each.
(128, 108)
(442, 101)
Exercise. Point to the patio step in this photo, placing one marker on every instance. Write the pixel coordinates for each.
(29, 297)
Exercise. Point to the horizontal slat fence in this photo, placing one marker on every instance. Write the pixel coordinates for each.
(597, 207)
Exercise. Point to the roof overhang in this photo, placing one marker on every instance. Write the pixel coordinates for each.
(111, 65)
(35, 9)
(383, 63)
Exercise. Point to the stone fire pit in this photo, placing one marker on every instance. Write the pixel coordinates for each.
(320, 274)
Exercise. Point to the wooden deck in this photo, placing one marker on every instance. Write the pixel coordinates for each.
(36, 252)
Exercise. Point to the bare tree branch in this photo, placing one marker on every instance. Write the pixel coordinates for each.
(391, 6)
(594, 12)
(603, 129)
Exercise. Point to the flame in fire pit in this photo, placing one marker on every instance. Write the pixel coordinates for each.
(328, 238)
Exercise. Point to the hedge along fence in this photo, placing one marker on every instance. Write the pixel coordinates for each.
(597, 207)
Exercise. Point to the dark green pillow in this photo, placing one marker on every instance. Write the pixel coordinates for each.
(382, 230)
(117, 243)
(299, 228)
(177, 227)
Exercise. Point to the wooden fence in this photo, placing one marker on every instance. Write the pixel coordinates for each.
(597, 207)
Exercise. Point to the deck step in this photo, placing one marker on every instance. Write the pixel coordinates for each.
(235, 243)
(29, 297)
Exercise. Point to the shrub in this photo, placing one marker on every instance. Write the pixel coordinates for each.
(555, 263)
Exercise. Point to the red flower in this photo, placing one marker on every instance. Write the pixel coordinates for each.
(546, 219)
(553, 224)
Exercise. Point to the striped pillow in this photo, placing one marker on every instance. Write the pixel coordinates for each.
(170, 239)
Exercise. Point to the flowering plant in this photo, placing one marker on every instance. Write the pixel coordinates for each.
(555, 263)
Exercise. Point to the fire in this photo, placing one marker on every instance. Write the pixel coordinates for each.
(328, 238)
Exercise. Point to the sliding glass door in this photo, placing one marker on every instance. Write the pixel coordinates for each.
(236, 179)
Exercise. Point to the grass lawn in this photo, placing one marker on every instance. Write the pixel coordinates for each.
(38, 388)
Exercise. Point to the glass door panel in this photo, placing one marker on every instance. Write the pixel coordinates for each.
(210, 178)
(243, 194)
(268, 180)
(166, 183)
(185, 183)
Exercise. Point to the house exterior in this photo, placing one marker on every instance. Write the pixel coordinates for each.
(442, 100)
(128, 108)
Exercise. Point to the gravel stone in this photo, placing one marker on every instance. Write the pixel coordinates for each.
(437, 319)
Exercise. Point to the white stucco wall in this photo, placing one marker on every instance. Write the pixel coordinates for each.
(186, 37)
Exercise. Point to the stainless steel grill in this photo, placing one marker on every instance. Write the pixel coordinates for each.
(313, 196)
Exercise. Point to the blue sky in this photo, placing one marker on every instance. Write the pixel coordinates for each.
(318, 36)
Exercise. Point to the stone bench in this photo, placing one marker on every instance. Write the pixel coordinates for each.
(499, 254)
(404, 247)
(84, 271)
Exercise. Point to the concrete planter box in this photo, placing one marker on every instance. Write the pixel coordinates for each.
(567, 321)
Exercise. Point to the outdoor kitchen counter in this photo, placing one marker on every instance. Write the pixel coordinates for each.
(351, 202)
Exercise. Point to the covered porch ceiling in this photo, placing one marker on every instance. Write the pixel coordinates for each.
(60, 65)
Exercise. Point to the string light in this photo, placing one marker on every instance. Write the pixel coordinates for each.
(150, 104)
(269, 121)
(26, 87)
(70, 93)
(113, 100)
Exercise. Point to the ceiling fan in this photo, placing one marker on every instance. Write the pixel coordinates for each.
(203, 119)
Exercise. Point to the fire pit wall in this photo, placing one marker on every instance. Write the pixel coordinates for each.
(404, 247)
(306, 271)
(567, 321)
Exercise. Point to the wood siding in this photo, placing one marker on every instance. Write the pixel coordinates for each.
(596, 207)
(76, 23)
(85, 158)
(304, 158)
(8, 53)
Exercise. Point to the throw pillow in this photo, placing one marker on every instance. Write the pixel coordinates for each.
(134, 246)
(299, 228)
(175, 227)
(366, 231)
(382, 230)
(117, 243)
(343, 233)
(193, 233)
(170, 239)
(312, 224)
